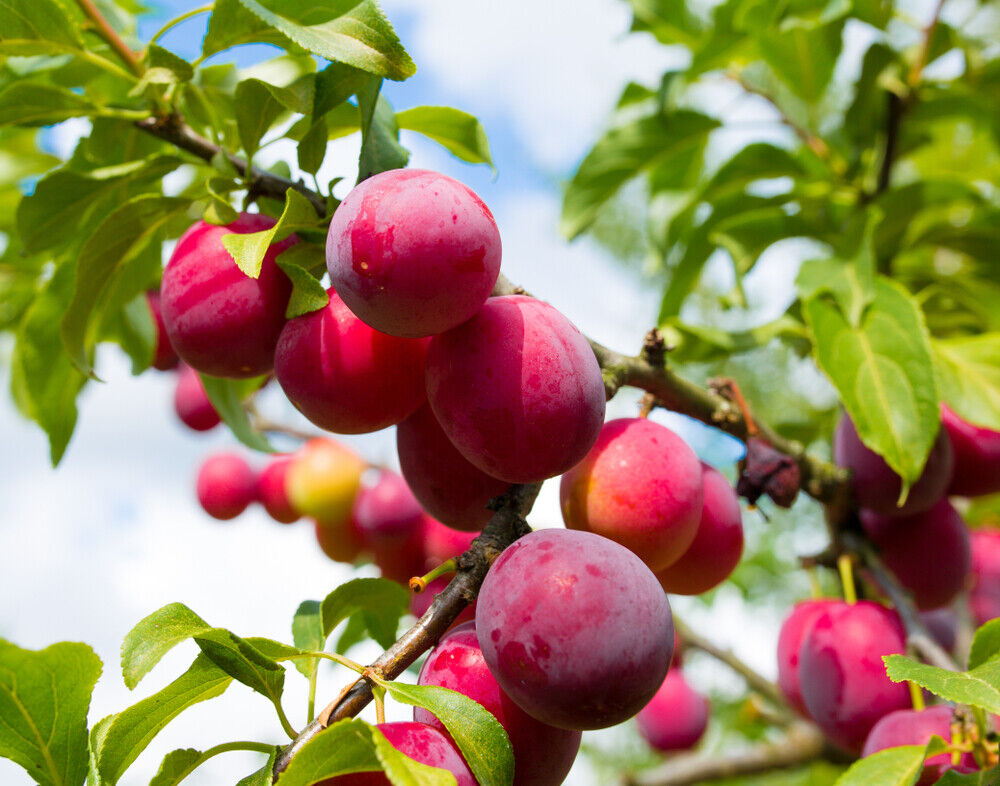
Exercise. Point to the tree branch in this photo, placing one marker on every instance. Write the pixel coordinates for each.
(107, 32)
(801, 744)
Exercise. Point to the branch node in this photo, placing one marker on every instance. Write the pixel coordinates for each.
(654, 348)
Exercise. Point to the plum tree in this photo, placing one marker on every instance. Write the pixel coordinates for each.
(793, 630)
(641, 486)
(977, 456)
(718, 545)
(841, 674)
(984, 590)
(447, 485)
(575, 628)
(543, 754)
(929, 552)
(421, 743)
(916, 727)
(219, 320)
(191, 402)
(877, 487)
(225, 485)
(412, 252)
(164, 357)
(345, 376)
(323, 481)
(390, 523)
(517, 390)
(676, 717)
(272, 491)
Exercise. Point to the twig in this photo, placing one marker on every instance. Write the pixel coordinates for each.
(107, 32)
(801, 744)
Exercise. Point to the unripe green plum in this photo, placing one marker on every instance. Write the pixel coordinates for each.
(929, 552)
(219, 320)
(977, 456)
(225, 486)
(676, 717)
(413, 253)
(641, 486)
(164, 357)
(447, 485)
(517, 389)
(323, 481)
(272, 491)
(877, 487)
(575, 628)
(718, 545)
(191, 402)
(345, 376)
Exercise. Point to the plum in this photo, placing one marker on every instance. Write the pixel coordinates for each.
(272, 491)
(793, 630)
(718, 545)
(916, 727)
(442, 543)
(338, 540)
(543, 754)
(984, 592)
(977, 456)
(928, 551)
(390, 523)
(164, 357)
(841, 673)
(421, 743)
(575, 628)
(942, 624)
(877, 487)
(676, 717)
(323, 481)
(219, 320)
(225, 485)
(412, 252)
(447, 485)
(517, 389)
(641, 486)
(191, 402)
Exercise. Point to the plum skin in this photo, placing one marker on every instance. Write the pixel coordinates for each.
(977, 456)
(389, 522)
(929, 552)
(345, 376)
(984, 593)
(447, 485)
(543, 754)
(226, 486)
(421, 743)
(877, 487)
(842, 676)
(272, 491)
(641, 486)
(793, 630)
(575, 628)
(676, 717)
(191, 402)
(916, 727)
(164, 357)
(219, 320)
(718, 543)
(517, 389)
(412, 252)
(323, 481)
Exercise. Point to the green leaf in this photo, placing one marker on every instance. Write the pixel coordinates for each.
(979, 687)
(248, 249)
(260, 104)
(307, 633)
(133, 729)
(176, 766)
(44, 698)
(385, 601)
(380, 148)
(334, 85)
(479, 736)
(981, 778)
(36, 27)
(159, 57)
(114, 245)
(311, 149)
(243, 662)
(132, 327)
(883, 370)
(747, 235)
(460, 133)
(968, 373)
(227, 396)
(803, 55)
(265, 775)
(308, 294)
(621, 154)
(699, 344)
(37, 104)
(986, 644)
(95, 740)
(891, 767)
(154, 636)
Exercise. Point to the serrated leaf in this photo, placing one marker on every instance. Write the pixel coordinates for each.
(982, 778)
(308, 294)
(480, 737)
(248, 250)
(621, 154)
(891, 767)
(307, 633)
(979, 687)
(37, 104)
(133, 729)
(260, 104)
(384, 599)
(159, 57)
(334, 85)
(265, 775)
(36, 27)
(311, 149)
(243, 662)
(114, 245)
(154, 636)
(176, 766)
(227, 396)
(985, 644)
(380, 148)
(968, 374)
(884, 373)
(95, 740)
(44, 698)
(803, 55)
(458, 132)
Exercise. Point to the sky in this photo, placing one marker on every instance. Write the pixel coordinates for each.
(115, 532)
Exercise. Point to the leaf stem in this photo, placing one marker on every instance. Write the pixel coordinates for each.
(419, 583)
(226, 747)
(178, 19)
(916, 696)
(845, 564)
(283, 719)
(339, 659)
(378, 694)
(311, 708)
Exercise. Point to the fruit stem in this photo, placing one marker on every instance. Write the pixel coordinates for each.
(916, 696)
(419, 583)
(378, 694)
(815, 588)
(845, 564)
